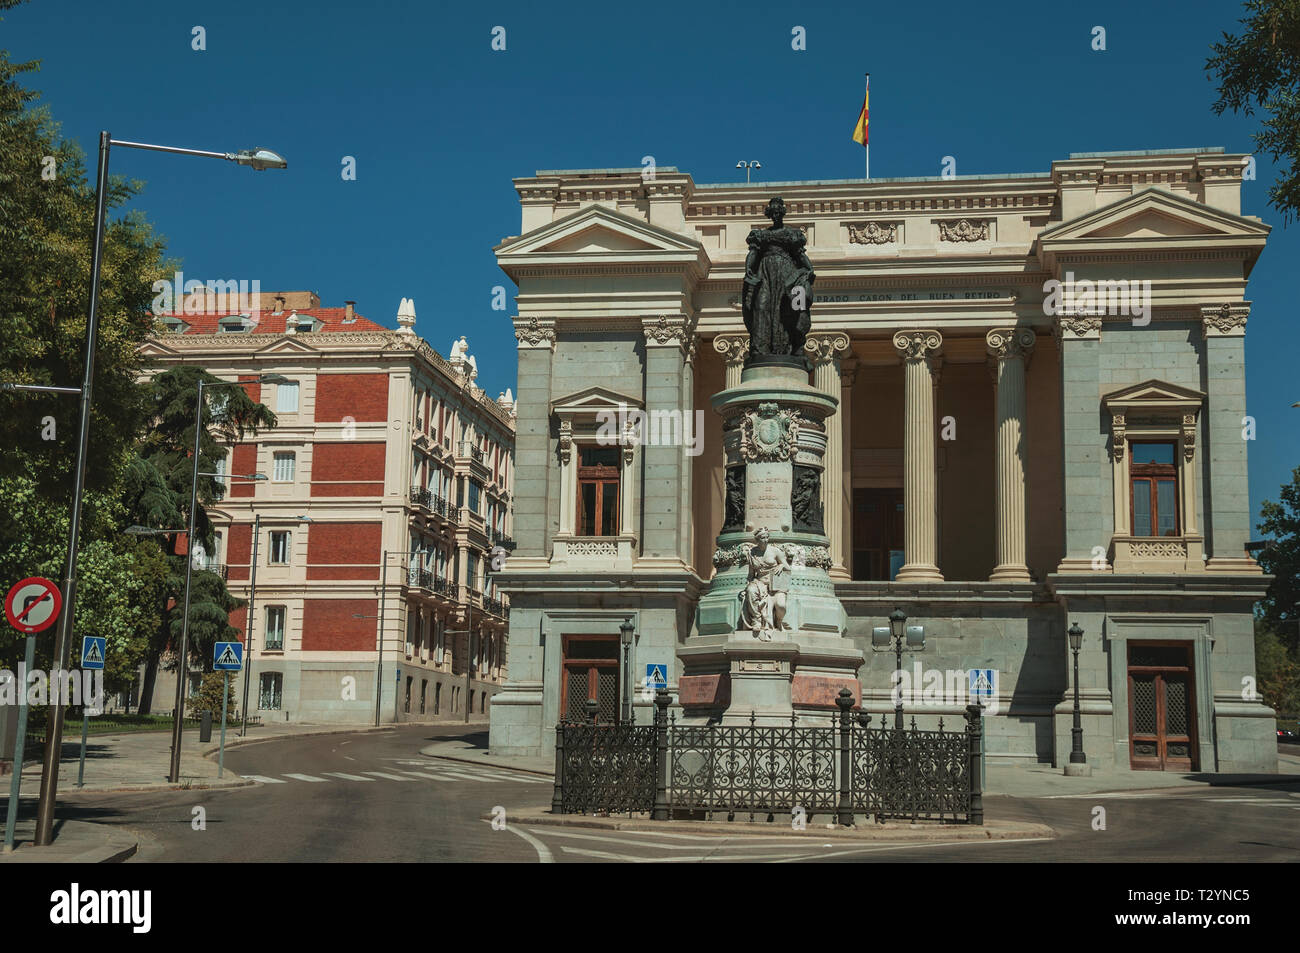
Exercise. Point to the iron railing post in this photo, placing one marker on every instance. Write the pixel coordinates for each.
(845, 701)
(557, 799)
(976, 738)
(662, 699)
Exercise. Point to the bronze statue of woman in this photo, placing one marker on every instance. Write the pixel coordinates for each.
(776, 300)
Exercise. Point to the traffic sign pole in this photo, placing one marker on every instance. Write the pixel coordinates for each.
(15, 784)
(85, 728)
(225, 696)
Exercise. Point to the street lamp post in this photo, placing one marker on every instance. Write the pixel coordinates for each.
(897, 628)
(182, 659)
(1075, 635)
(626, 633)
(255, 158)
(749, 167)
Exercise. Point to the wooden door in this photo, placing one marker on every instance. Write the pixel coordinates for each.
(877, 532)
(1162, 706)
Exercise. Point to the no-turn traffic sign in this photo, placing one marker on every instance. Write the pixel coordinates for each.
(33, 604)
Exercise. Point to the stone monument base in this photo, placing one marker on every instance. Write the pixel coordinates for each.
(731, 677)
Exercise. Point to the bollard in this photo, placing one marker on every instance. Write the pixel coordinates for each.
(557, 799)
(205, 727)
(975, 735)
(662, 699)
(845, 814)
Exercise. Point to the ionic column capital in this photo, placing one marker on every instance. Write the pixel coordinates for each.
(825, 347)
(733, 347)
(1006, 343)
(1076, 325)
(1225, 320)
(917, 345)
(535, 333)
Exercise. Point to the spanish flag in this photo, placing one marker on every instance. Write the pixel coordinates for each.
(860, 130)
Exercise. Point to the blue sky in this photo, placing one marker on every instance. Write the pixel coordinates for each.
(439, 123)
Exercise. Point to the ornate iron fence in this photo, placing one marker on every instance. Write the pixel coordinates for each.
(841, 769)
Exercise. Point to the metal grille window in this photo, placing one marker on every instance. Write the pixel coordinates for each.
(270, 692)
(1154, 483)
(279, 555)
(274, 628)
(285, 467)
(591, 674)
(598, 489)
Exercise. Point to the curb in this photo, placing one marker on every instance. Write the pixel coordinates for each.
(482, 763)
(240, 742)
(866, 832)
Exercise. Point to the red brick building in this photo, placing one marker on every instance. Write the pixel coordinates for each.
(388, 487)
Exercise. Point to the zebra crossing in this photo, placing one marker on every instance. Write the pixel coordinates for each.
(402, 770)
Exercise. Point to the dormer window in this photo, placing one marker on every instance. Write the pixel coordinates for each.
(297, 323)
(235, 323)
(174, 324)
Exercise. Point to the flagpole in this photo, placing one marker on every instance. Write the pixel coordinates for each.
(866, 129)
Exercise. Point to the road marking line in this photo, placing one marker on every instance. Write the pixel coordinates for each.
(1256, 801)
(640, 843)
(431, 777)
(390, 777)
(305, 777)
(544, 855)
(954, 843)
(264, 780)
(346, 777)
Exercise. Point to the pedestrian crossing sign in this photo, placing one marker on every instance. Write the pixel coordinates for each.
(656, 676)
(983, 683)
(92, 652)
(228, 656)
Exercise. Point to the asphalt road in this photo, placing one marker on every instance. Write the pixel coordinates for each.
(373, 797)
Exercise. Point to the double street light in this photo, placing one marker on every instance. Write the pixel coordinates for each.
(257, 159)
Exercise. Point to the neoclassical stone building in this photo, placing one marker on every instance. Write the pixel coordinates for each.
(1040, 385)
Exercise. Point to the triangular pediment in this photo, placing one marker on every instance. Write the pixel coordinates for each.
(596, 229)
(154, 347)
(1153, 213)
(1154, 393)
(592, 400)
(286, 345)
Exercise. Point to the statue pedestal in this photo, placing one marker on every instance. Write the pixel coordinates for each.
(774, 438)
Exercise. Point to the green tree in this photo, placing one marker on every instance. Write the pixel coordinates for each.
(160, 488)
(1278, 671)
(1261, 69)
(1280, 558)
(208, 698)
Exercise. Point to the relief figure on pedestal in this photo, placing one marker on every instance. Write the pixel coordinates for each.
(776, 298)
(763, 600)
(735, 499)
(805, 500)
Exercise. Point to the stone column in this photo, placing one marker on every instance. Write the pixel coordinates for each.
(825, 351)
(533, 454)
(1088, 521)
(1011, 347)
(661, 531)
(848, 373)
(734, 348)
(920, 537)
(1227, 496)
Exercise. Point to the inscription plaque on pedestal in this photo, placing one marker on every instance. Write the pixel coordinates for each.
(767, 496)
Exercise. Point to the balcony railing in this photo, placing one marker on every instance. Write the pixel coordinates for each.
(221, 569)
(476, 454)
(503, 540)
(421, 496)
(495, 606)
(446, 588)
(419, 577)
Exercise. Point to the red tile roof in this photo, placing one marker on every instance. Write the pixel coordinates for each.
(267, 322)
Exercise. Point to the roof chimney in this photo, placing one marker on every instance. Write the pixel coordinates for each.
(349, 315)
(279, 304)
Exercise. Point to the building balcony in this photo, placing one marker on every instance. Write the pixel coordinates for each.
(221, 569)
(503, 540)
(495, 606)
(420, 578)
(593, 552)
(444, 587)
(421, 496)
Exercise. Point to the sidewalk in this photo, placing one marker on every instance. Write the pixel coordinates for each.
(473, 749)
